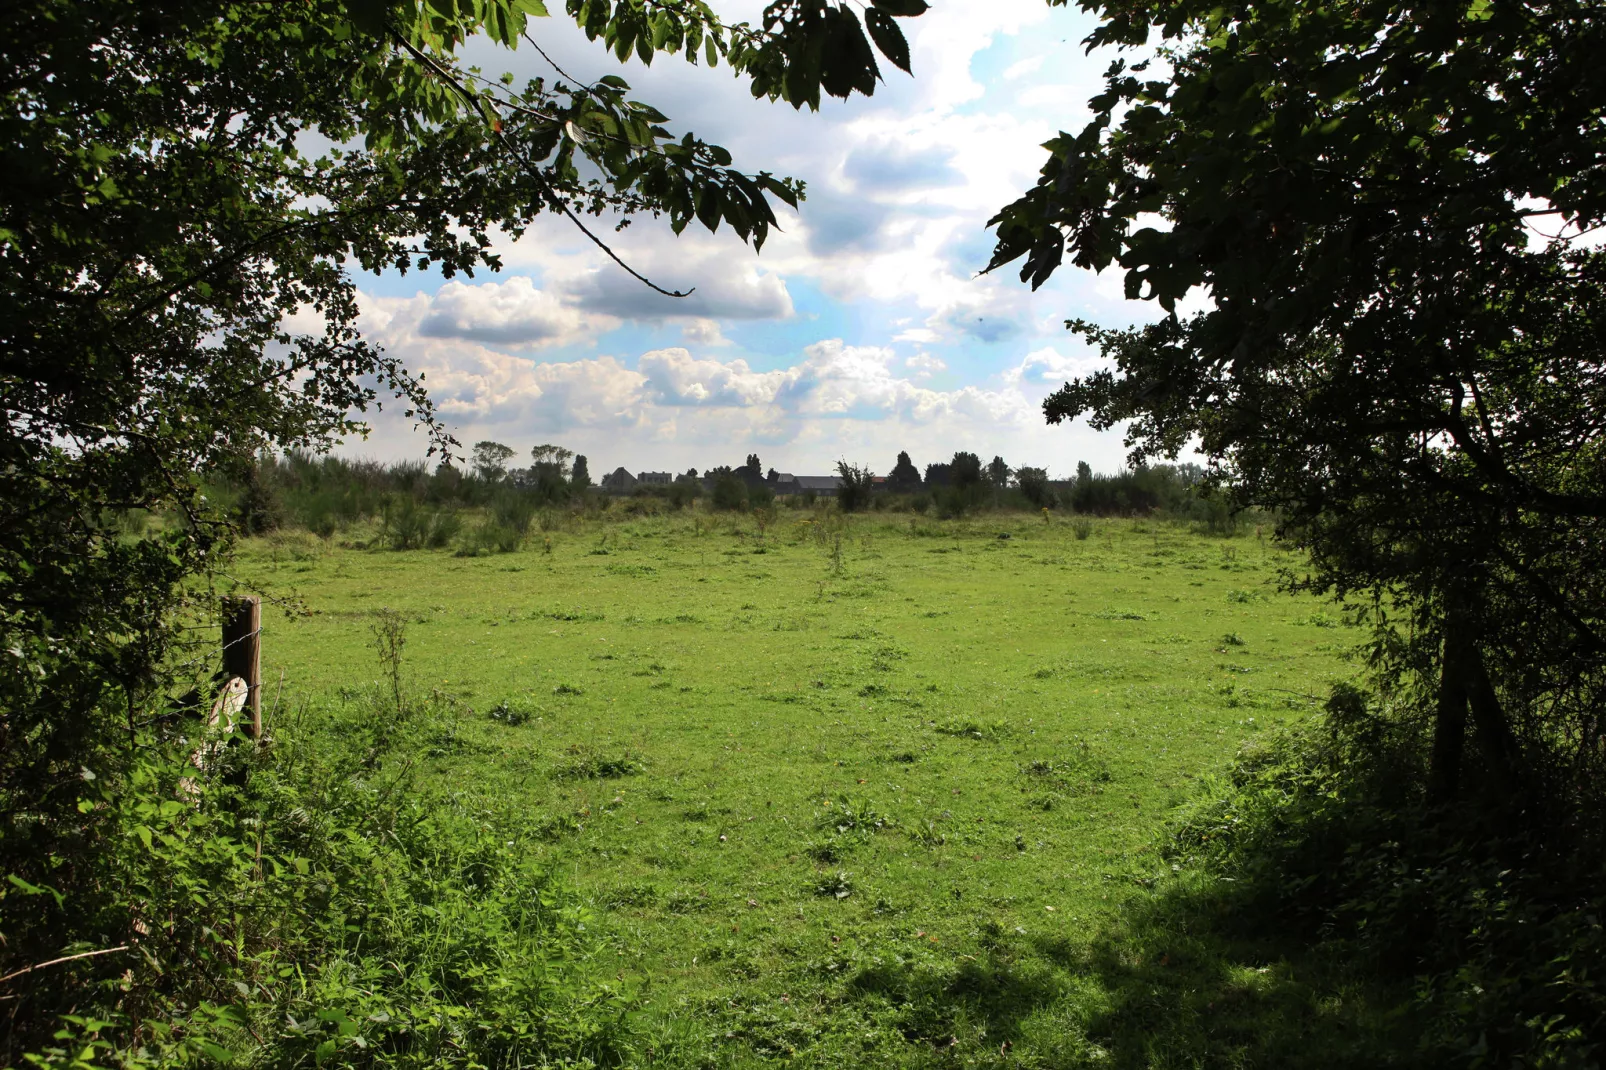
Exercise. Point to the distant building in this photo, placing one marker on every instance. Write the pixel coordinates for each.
(656, 479)
(619, 481)
(782, 482)
(824, 486)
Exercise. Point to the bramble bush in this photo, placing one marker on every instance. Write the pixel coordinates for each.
(307, 905)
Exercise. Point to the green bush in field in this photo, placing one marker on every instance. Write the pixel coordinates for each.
(490, 537)
(514, 511)
(856, 488)
(1033, 484)
(729, 494)
(407, 525)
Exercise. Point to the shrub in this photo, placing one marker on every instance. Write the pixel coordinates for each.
(1033, 484)
(730, 493)
(406, 525)
(515, 512)
(258, 510)
(490, 537)
(857, 484)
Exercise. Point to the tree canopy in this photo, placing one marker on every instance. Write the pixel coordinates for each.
(904, 475)
(1400, 349)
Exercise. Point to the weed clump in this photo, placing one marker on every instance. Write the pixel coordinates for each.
(507, 713)
(986, 731)
(588, 765)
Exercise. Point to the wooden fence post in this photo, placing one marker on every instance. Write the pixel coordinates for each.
(242, 652)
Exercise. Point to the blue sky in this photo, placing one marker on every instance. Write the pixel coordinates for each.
(861, 330)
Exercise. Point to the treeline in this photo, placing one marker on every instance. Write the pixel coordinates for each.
(492, 505)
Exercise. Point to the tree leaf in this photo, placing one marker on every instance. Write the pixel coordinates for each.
(888, 37)
(902, 8)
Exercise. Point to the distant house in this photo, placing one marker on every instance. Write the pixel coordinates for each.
(782, 482)
(824, 486)
(619, 481)
(656, 479)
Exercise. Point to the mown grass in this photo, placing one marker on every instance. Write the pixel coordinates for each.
(875, 793)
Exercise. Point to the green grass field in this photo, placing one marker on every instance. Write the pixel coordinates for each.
(861, 793)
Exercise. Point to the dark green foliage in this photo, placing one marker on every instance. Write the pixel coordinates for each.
(904, 477)
(1165, 489)
(407, 525)
(580, 478)
(729, 492)
(1398, 360)
(965, 471)
(960, 486)
(258, 509)
(325, 908)
(490, 460)
(1033, 484)
(856, 487)
(1327, 837)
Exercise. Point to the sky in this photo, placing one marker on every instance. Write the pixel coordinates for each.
(863, 327)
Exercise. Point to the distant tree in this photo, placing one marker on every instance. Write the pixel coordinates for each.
(857, 486)
(690, 476)
(490, 460)
(769, 477)
(1033, 483)
(751, 472)
(965, 470)
(1084, 472)
(939, 475)
(259, 510)
(729, 491)
(904, 477)
(998, 472)
(580, 477)
(549, 461)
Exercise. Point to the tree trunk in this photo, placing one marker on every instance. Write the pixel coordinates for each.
(1495, 738)
(1450, 720)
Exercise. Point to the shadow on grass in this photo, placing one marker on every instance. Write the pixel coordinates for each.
(1202, 974)
(990, 996)
(1193, 975)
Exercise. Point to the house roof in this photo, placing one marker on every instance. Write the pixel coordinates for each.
(819, 482)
